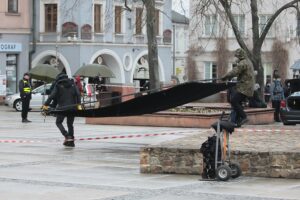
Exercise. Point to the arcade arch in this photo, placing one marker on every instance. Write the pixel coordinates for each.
(49, 57)
(112, 60)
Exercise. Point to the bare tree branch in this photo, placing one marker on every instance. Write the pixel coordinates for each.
(272, 19)
(236, 31)
(126, 6)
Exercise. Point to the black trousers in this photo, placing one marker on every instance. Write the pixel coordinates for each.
(25, 107)
(70, 121)
(236, 104)
(276, 105)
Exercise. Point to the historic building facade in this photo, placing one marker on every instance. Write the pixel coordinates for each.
(73, 33)
(212, 37)
(14, 43)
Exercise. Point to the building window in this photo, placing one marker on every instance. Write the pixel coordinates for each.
(11, 73)
(268, 70)
(97, 18)
(210, 26)
(263, 20)
(12, 6)
(240, 22)
(118, 19)
(138, 21)
(50, 17)
(156, 25)
(210, 71)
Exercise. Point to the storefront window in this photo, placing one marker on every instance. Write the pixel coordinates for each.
(11, 73)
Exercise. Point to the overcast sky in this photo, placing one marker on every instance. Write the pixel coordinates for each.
(183, 9)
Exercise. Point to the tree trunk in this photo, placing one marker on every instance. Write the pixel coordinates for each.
(257, 64)
(152, 44)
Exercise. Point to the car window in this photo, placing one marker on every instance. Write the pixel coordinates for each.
(296, 94)
(41, 89)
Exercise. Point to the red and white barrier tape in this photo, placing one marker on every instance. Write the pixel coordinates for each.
(239, 130)
(93, 138)
(20, 141)
(124, 136)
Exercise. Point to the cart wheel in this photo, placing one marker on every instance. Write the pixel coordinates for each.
(223, 173)
(236, 170)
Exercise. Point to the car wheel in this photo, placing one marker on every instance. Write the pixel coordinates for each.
(18, 105)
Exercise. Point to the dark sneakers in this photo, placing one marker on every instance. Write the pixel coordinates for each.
(69, 141)
(25, 121)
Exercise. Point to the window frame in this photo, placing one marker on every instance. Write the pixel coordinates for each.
(99, 16)
(139, 21)
(213, 26)
(212, 72)
(238, 22)
(12, 10)
(53, 25)
(271, 33)
(118, 26)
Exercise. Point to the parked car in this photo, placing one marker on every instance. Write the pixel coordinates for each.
(290, 107)
(38, 94)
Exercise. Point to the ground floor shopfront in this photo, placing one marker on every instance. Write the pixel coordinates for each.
(14, 55)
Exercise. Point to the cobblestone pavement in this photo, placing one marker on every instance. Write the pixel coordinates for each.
(41, 168)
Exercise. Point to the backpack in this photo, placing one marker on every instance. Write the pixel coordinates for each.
(277, 88)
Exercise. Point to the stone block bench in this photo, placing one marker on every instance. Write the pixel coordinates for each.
(259, 153)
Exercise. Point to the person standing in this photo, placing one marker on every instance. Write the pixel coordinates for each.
(245, 84)
(267, 93)
(25, 94)
(67, 96)
(277, 94)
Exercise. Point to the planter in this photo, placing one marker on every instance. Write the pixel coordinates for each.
(182, 119)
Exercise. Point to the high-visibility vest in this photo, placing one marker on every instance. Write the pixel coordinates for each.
(26, 88)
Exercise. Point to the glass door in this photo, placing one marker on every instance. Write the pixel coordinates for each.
(11, 73)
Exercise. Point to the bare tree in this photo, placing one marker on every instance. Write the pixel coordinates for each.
(224, 8)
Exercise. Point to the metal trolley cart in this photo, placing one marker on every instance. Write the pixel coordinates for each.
(223, 168)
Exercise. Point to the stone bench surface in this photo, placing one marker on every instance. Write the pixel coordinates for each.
(249, 138)
(266, 151)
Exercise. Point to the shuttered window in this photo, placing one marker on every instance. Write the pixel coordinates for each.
(97, 18)
(118, 19)
(50, 17)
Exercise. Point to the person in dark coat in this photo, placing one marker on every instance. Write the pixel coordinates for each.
(60, 76)
(245, 83)
(25, 94)
(255, 101)
(67, 96)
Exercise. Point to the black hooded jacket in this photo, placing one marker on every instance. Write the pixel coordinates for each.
(65, 93)
(59, 77)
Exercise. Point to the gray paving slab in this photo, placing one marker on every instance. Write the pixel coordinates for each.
(106, 169)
